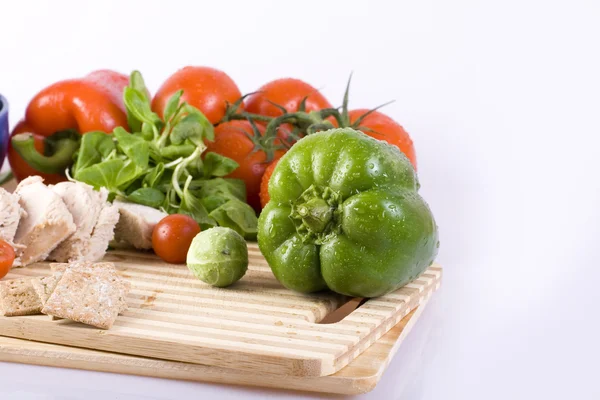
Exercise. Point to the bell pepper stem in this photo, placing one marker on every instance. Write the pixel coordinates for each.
(316, 214)
(62, 158)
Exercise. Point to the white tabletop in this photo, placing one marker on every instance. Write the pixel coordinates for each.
(502, 100)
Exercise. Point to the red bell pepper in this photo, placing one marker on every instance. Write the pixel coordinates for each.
(91, 103)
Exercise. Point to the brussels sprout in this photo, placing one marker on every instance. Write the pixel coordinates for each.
(218, 256)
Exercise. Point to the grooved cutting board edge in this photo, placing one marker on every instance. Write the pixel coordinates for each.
(255, 325)
(360, 376)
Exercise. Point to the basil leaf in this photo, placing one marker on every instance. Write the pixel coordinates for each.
(194, 126)
(172, 105)
(94, 147)
(147, 196)
(153, 177)
(218, 165)
(239, 216)
(138, 104)
(192, 206)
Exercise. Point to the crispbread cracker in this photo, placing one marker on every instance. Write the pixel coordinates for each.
(88, 294)
(44, 286)
(59, 268)
(18, 297)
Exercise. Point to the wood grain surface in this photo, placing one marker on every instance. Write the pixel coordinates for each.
(360, 376)
(255, 325)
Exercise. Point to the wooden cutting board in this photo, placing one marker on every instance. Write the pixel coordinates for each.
(255, 325)
(360, 376)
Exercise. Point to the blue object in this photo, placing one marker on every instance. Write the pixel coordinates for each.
(4, 135)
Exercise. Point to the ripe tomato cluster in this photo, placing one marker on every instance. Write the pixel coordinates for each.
(241, 121)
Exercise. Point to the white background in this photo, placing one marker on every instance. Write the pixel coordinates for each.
(502, 100)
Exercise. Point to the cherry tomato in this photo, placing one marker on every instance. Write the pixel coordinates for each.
(382, 127)
(207, 89)
(231, 140)
(288, 93)
(7, 257)
(264, 183)
(172, 237)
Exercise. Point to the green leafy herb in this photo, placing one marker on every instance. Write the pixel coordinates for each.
(192, 206)
(94, 147)
(147, 196)
(139, 106)
(239, 216)
(218, 165)
(172, 105)
(209, 132)
(161, 165)
(137, 83)
(225, 187)
(133, 146)
(147, 131)
(192, 127)
(154, 176)
(173, 152)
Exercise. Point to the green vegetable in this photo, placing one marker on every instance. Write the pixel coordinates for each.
(218, 165)
(137, 83)
(160, 164)
(58, 150)
(147, 196)
(237, 215)
(218, 256)
(345, 215)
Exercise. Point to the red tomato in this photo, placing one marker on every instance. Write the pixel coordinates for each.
(264, 183)
(7, 257)
(231, 140)
(385, 128)
(172, 237)
(207, 89)
(288, 93)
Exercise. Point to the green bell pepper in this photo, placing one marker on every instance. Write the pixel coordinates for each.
(345, 214)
